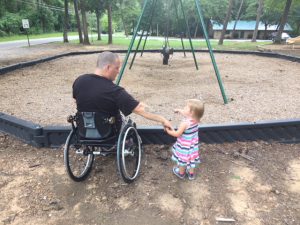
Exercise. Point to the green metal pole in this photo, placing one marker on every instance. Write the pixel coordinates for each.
(144, 44)
(177, 17)
(137, 48)
(211, 52)
(189, 34)
(148, 30)
(131, 45)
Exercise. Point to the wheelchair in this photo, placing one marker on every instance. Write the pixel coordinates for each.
(93, 135)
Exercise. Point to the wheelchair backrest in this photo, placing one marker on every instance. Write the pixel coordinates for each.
(94, 125)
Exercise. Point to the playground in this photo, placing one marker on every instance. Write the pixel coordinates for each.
(258, 88)
(263, 189)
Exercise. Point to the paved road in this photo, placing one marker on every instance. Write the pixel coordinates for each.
(23, 43)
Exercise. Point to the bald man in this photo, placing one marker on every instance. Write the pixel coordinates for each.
(97, 92)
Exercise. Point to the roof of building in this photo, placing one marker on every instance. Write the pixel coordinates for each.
(247, 25)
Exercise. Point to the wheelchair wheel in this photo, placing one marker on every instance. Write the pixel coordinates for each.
(78, 158)
(129, 151)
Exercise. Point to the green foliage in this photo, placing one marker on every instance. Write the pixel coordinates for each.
(294, 17)
(9, 24)
(50, 17)
(215, 9)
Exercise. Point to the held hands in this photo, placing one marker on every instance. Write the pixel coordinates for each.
(169, 130)
(167, 124)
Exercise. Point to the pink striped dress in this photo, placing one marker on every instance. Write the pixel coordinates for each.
(186, 148)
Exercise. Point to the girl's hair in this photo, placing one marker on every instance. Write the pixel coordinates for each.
(196, 107)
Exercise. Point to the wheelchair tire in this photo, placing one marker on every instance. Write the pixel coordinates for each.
(78, 158)
(129, 151)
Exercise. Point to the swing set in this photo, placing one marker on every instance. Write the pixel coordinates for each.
(148, 12)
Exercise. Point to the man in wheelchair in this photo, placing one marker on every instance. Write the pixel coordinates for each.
(97, 93)
(98, 122)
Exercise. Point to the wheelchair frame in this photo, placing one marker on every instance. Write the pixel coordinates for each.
(80, 150)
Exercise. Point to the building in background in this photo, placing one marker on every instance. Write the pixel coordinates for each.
(244, 30)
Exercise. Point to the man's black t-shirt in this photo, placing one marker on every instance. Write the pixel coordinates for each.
(94, 93)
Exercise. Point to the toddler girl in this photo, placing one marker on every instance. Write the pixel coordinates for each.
(186, 149)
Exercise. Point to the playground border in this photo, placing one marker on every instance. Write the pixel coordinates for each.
(285, 131)
(10, 68)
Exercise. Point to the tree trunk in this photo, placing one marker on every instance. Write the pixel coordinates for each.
(265, 32)
(109, 15)
(259, 13)
(122, 18)
(227, 18)
(124, 26)
(98, 25)
(78, 21)
(196, 30)
(283, 20)
(66, 21)
(86, 40)
(237, 19)
(41, 17)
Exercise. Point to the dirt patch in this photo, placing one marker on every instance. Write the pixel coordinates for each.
(35, 189)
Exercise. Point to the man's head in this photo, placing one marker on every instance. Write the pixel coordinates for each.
(108, 65)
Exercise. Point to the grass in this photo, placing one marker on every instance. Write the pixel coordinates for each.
(197, 44)
(120, 40)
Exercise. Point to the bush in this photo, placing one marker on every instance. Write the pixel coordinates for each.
(2, 33)
(10, 23)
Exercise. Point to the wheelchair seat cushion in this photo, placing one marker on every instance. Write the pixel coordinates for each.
(95, 125)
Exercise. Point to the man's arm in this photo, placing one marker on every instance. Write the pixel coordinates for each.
(140, 110)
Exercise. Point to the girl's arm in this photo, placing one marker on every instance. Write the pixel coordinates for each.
(179, 131)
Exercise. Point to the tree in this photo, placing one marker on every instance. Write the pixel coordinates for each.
(99, 12)
(66, 21)
(78, 21)
(122, 18)
(283, 20)
(227, 18)
(86, 40)
(271, 16)
(259, 13)
(97, 7)
(296, 18)
(237, 18)
(109, 15)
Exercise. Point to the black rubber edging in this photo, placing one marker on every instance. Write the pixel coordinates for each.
(285, 131)
(22, 129)
(11, 68)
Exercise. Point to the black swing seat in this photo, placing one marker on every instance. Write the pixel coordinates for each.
(96, 128)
